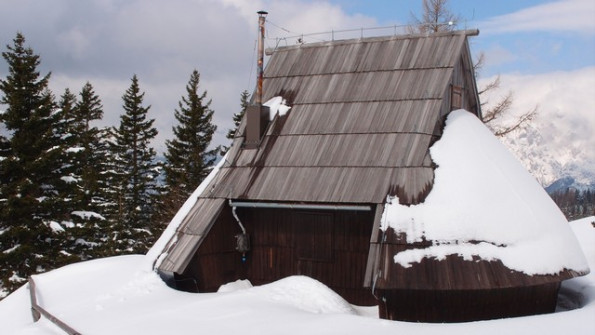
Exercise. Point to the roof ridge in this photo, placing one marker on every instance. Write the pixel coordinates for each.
(456, 33)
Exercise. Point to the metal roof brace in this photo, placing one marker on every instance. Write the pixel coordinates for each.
(378, 256)
(276, 205)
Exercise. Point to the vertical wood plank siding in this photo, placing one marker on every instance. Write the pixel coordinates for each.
(280, 248)
(468, 305)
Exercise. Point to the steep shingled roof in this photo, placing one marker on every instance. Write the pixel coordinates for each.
(364, 113)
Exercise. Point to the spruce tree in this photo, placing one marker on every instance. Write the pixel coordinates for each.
(68, 186)
(237, 117)
(65, 128)
(188, 158)
(89, 109)
(136, 175)
(29, 242)
(84, 156)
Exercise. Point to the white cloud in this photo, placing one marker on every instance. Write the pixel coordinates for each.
(577, 16)
(496, 54)
(105, 42)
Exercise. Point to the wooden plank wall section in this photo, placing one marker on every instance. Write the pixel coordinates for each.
(452, 272)
(468, 305)
(217, 262)
(191, 233)
(281, 247)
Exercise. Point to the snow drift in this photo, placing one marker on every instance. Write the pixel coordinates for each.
(484, 203)
(118, 296)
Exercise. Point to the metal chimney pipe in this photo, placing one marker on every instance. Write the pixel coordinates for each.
(256, 113)
(261, 19)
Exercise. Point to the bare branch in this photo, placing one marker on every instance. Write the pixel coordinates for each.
(490, 86)
(520, 122)
(500, 108)
(478, 65)
(435, 18)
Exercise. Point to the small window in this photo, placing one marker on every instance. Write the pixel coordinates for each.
(312, 236)
(456, 98)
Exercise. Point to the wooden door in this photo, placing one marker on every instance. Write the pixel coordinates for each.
(313, 243)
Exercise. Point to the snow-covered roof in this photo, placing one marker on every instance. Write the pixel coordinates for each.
(484, 206)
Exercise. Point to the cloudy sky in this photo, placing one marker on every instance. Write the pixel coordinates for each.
(543, 50)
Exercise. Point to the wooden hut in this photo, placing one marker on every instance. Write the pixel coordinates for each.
(307, 195)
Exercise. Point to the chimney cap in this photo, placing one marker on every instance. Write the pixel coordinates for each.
(262, 12)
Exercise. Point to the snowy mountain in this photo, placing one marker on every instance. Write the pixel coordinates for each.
(559, 141)
(554, 161)
(568, 182)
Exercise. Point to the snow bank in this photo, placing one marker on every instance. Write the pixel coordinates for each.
(580, 292)
(240, 284)
(306, 294)
(484, 203)
(15, 312)
(118, 295)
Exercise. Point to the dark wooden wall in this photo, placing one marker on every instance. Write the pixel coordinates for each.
(217, 262)
(467, 305)
(330, 246)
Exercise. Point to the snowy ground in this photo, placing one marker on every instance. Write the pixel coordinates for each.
(121, 295)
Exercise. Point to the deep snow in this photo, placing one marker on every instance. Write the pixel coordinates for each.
(119, 295)
(484, 203)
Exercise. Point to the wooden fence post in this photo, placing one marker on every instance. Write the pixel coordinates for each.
(37, 311)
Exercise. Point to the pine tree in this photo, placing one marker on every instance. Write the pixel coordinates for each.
(94, 169)
(67, 164)
(188, 158)
(28, 170)
(4, 150)
(237, 117)
(84, 156)
(136, 175)
(88, 110)
(65, 129)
